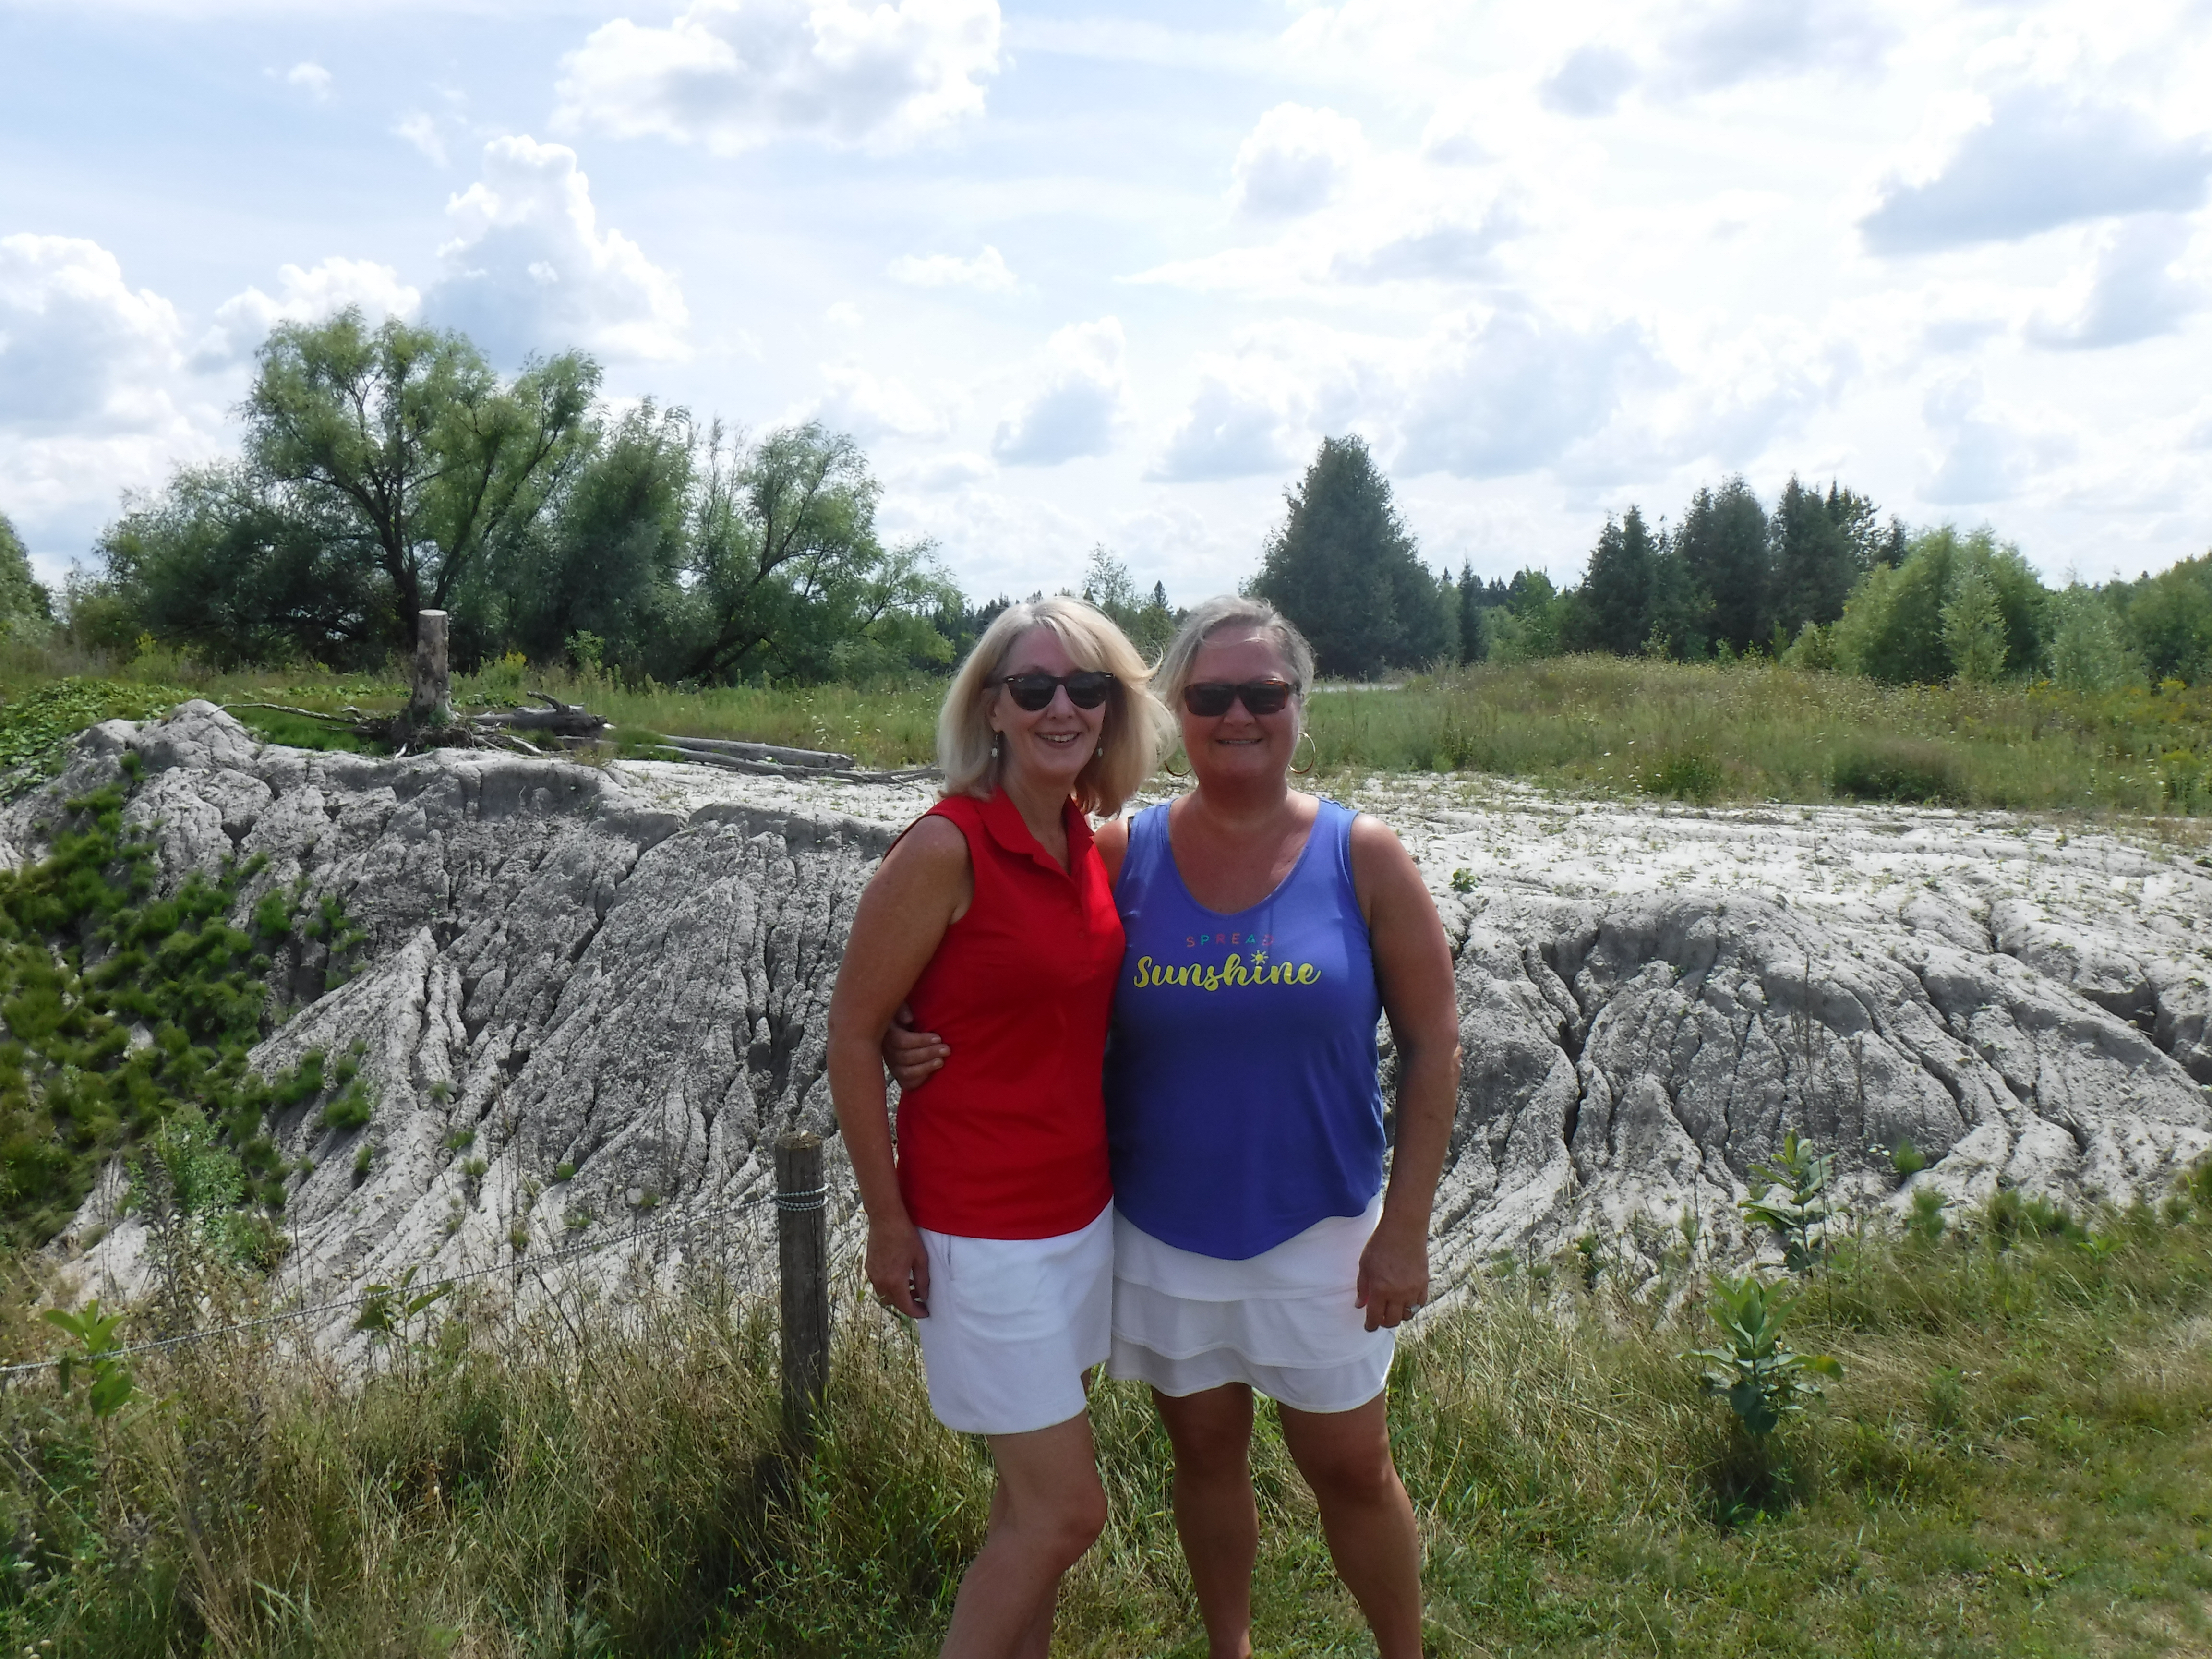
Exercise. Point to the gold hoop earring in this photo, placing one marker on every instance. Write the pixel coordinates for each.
(1167, 767)
(1300, 771)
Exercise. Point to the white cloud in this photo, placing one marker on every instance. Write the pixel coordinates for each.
(313, 76)
(1509, 389)
(1592, 82)
(1991, 455)
(1294, 161)
(2039, 161)
(77, 344)
(1443, 247)
(870, 408)
(2134, 294)
(89, 377)
(986, 271)
(1740, 41)
(529, 269)
(732, 75)
(940, 473)
(1453, 139)
(243, 321)
(1261, 405)
(422, 132)
(1482, 393)
(1081, 404)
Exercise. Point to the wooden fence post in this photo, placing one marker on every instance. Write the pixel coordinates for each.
(802, 1245)
(432, 701)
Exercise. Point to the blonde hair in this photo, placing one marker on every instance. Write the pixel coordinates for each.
(1232, 610)
(1136, 725)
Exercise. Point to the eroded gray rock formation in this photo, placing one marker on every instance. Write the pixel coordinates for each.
(592, 992)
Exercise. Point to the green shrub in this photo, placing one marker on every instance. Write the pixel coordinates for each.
(1908, 1160)
(1690, 774)
(1925, 1221)
(1902, 770)
(350, 1111)
(1763, 1379)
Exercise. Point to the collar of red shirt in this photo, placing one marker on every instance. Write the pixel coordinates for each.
(1009, 829)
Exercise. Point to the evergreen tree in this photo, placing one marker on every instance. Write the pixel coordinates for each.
(1474, 620)
(1905, 624)
(1611, 608)
(1855, 516)
(1722, 543)
(1344, 569)
(1681, 610)
(1814, 563)
(1973, 625)
(1144, 618)
(1532, 619)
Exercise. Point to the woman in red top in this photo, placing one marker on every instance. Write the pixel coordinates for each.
(993, 1225)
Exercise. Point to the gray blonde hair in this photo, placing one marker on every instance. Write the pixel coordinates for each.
(1136, 725)
(1245, 614)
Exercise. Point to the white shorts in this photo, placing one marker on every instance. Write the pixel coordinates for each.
(1013, 1324)
(1283, 1323)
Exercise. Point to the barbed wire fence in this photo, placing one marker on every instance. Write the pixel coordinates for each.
(733, 1244)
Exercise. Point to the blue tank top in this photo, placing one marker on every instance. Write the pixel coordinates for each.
(1243, 1104)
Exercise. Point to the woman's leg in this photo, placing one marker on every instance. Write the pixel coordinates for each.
(1048, 1510)
(1365, 1515)
(1216, 1518)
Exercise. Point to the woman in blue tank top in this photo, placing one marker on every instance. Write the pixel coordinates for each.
(1256, 1245)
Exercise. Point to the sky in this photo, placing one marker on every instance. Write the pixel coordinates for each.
(1082, 275)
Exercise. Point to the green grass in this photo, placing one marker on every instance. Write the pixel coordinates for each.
(2017, 1461)
(1756, 732)
(1747, 731)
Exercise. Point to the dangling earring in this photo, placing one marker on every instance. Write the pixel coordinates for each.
(1167, 767)
(1305, 737)
(995, 746)
(1099, 753)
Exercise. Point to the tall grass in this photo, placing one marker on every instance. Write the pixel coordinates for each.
(2018, 1460)
(1749, 731)
(1754, 731)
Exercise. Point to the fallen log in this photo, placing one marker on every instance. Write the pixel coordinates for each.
(812, 759)
(565, 719)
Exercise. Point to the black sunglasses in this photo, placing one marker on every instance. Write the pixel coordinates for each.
(1208, 698)
(1086, 689)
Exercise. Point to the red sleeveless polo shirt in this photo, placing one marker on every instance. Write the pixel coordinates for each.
(1008, 1139)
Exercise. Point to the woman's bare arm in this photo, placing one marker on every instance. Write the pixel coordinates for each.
(1414, 968)
(923, 887)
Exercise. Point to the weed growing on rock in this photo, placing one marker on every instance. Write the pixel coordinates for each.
(36, 726)
(1793, 1202)
(122, 1007)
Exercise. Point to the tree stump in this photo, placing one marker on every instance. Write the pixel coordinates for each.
(431, 703)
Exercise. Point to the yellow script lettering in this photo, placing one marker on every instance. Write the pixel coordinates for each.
(1308, 973)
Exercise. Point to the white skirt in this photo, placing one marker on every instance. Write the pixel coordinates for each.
(1283, 1323)
(1013, 1324)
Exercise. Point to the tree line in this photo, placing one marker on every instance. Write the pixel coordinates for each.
(389, 470)
(386, 469)
(1820, 579)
